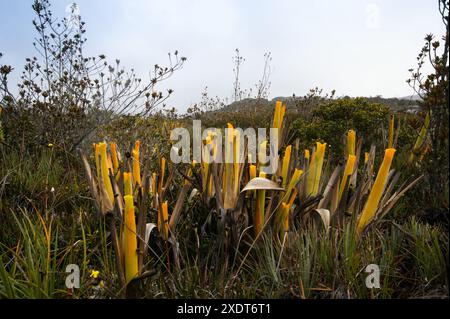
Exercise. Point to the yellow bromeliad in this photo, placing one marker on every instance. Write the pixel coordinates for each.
(258, 216)
(287, 201)
(163, 221)
(130, 240)
(105, 171)
(136, 164)
(206, 160)
(252, 171)
(285, 166)
(231, 176)
(278, 117)
(285, 208)
(307, 155)
(366, 157)
(127, 183)
(115, 160)
(378, 187)
(315, 170)
(293, 182)
(351, 142)
(228, 172)
(252, 175)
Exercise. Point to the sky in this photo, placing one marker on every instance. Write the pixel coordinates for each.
(356, 47)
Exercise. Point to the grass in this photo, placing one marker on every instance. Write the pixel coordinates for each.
(413, 259)
(50, 219)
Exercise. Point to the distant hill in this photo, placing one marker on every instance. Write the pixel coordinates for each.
(413, 97)
(250, 112)
(407, 103)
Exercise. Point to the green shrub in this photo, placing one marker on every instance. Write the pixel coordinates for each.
(331, 121)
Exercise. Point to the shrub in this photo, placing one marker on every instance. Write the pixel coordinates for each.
(332, 120)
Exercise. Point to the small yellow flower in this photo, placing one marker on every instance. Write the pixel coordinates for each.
(94, 274)
(101, 284)
(50, 145)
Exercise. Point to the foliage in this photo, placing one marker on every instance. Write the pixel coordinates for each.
(331, 120)
(315, 266)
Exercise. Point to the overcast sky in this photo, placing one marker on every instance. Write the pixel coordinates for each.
(359, 48)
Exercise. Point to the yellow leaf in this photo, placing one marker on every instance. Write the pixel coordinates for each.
(351, 142)
(285, 166)
(378, 187)
(105, 171)
(130, 240)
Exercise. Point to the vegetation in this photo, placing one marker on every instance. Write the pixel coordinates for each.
(90, 183)
(331, 120)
